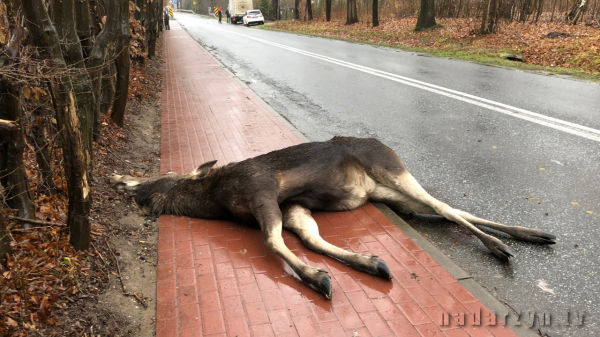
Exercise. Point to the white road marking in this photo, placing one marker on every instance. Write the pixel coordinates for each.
(555, 123)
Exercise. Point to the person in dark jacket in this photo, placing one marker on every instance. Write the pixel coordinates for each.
(166, 18)
(228, 16)
(220, 14)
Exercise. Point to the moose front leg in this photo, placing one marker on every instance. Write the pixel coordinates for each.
(298, 220)
(267, 212)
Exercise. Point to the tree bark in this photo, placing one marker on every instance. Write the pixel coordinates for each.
(38, 138)
(490, 18)
(577, 11)
(152, 31)
(328, 10)
(82, 25)
(309, 9)
(12, 166)
(96, 63)
(426, 15)
(63, 17)
(13, 169)
(122, 63)
(44, 36)
(4, 238)
(351, 12)
(109, 78)
(375, 13)
(296, 12)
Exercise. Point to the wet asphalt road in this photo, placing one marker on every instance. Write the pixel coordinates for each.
(488, 163)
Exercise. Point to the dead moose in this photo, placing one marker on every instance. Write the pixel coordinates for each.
(281, 188)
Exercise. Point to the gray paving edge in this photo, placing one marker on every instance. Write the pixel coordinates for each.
(462, 276)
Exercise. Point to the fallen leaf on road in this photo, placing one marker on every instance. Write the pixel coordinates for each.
(574, 203)
(544, 286)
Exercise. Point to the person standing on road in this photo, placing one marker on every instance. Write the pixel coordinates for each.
(228, 15)
(220, 14)
(166, 18)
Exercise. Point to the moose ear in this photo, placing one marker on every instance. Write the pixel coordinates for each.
(203, 169)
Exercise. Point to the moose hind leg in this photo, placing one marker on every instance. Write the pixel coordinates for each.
(520, 233)
(408, 186)
(298, 220)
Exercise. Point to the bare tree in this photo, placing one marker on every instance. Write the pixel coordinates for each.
(375, 13)
(489, 21)
(98, 57)
(63, 17)
(426, 15)
(577, 11)
(122, 63)
(12, 167)
(328, 10)
(309, 9)
(44, 36)
(351, 12)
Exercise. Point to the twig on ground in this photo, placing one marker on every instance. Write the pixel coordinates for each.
(117, 263)
(39, 222)
(129, 165)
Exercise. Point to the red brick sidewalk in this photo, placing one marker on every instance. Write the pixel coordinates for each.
(218, 278)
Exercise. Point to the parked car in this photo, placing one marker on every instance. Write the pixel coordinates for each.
(238, 9)
(253, 17)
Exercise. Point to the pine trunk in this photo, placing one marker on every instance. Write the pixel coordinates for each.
(309, 9)
(328, 10)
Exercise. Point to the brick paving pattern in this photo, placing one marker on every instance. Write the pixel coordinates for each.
(216, 278)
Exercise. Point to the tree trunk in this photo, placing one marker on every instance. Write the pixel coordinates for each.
(577, 11)
(109, 78)
(351, 12)
(490, 18)
(82, 25)
(44, 36)
(152, 28)
(375, 13)
(12, 166)
(309, 9)
(122, 63)
(63, 17)
(96, 14)
(4, 238)
(426, 15)
(296, 12)
(328, 10)
(96, 63)
(38, 138)
(18, 192)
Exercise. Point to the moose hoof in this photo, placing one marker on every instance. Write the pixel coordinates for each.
(532, 235)
(504, 252)
(383, 270)
(322, 284)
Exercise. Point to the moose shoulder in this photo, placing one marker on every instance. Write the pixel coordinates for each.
(281, 188)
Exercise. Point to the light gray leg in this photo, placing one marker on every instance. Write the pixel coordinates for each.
(298, 220)
(409, 189)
